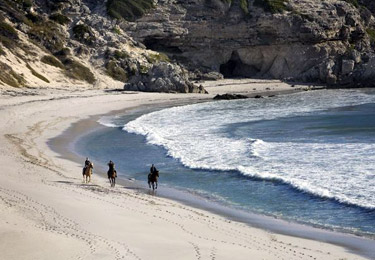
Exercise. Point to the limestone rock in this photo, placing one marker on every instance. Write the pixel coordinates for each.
(296, 44)
(163, 77)
(347, 66)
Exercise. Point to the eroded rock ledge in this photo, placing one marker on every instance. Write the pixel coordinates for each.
(328, 41)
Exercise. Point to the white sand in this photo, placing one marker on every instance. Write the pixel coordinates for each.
(47, 213)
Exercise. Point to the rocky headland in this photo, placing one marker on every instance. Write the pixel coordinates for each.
(166, 45)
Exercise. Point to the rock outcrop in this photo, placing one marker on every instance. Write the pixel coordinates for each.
(73, 42)
(163, 77)
(327, 41)
(167, 43)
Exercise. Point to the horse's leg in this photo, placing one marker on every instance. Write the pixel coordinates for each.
(156, 185)
(114, 182)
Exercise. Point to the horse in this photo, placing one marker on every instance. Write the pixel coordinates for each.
(112, 175)
(87, 171)
(153, 179)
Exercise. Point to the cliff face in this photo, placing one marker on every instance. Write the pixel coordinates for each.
(328, 41)
(65, 42)
(45, 43)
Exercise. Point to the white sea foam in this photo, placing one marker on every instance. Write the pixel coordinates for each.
(197, 135)
(109, 121)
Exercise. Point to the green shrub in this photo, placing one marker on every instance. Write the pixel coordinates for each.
(353, 2)
(25, 3)
(371, 34)
(63, 53)
(36, 74)
(10, 77)
(143, 69)
(272, 6)
(48, 35)
(34, 18)
(244, 6)
(14, 11)
(128, 9)
(116, 72)
(120, 55)
(2, 52)
(76, 70)
(117, 31)
(50, 60)
(83, 33)
(8, 35)
(59, 18)
(157, 57)
(6, 30)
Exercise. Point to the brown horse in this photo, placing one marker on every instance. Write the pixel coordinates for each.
(112, 175)
(87, 172)
(153, 179)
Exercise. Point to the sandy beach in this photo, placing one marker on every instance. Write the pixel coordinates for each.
(46, 212)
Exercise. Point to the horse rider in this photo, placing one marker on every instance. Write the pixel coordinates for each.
(87, 163)
(111, 166)
(153, 169)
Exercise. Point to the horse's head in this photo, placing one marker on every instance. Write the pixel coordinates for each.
(91, 165)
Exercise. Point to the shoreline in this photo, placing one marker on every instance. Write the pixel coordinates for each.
(46, 211)
(358, 244)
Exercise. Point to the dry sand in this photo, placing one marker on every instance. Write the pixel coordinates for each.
(46, 212)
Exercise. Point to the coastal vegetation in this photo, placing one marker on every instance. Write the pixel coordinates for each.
(157, 57)
(75, 70)
(353, 2)
(115, 71)
(36, 74)
(272, 6)
(128, 9)
(51, 60)
(243, 5)
(120, 55)
(59, 18)
(48, 35)
(84, 34)
(10, 77)
(371, 33)
(8, 35)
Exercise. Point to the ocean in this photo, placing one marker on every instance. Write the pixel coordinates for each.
(307, 157)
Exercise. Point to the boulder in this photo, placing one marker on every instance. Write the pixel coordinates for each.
(347, 66)
(163, 77)
(229, 96)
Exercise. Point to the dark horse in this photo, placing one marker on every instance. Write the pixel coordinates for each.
(153, 179)
(112, 175)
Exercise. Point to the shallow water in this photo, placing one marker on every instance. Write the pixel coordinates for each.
(307, 157)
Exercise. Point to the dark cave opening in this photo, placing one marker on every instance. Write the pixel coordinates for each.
(160, 45)
(235, 68)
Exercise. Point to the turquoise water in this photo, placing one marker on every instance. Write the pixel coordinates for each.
(306, 157)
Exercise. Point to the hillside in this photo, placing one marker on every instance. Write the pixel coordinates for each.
(163, 45)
